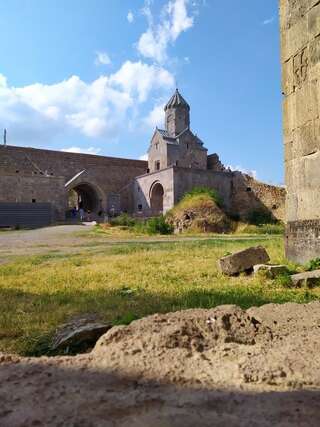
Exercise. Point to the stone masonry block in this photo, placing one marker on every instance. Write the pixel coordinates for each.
(243, 260)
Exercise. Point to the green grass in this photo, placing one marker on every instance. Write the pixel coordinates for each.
(122, 282)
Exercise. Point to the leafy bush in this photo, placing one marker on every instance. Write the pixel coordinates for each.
(314, 264)
(124, 220)
(261, 217)
(264, 229)
(284, 280)
(158, 225)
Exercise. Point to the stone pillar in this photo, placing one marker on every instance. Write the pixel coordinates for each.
(300, 57)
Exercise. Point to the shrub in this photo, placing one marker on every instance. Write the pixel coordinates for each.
(123, 220)
(284, 280)
(260, 217)
(158, 225)
(314, 264)
(264, 229)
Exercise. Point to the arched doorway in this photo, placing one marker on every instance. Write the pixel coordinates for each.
(84, 196)
(156, 198)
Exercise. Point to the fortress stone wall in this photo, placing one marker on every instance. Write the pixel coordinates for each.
(300, 43)
(28, 174)
(241, 194)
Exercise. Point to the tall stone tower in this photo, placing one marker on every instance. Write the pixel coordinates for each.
(300, 56)
(177, 114)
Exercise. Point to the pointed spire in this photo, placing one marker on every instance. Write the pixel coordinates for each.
(177, 100)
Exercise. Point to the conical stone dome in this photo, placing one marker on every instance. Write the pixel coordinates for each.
(177, 100)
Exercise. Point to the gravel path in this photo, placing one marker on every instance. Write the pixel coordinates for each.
(42, 239)
(68, 239)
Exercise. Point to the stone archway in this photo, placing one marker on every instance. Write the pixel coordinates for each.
(156, 198)
(84, 196)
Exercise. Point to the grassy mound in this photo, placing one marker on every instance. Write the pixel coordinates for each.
(199, 211)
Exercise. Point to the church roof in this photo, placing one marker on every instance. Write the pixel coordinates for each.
(177, 100)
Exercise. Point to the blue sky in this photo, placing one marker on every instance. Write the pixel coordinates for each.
(94, 75)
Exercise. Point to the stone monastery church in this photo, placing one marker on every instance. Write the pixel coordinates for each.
(39, 187)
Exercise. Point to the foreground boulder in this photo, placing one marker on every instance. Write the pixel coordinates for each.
(79, 334)
(241, 261)
(271, 271)
(218, 367)
(309, 279)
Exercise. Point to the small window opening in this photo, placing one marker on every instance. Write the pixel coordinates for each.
(177, 162)
(148, 170)
(157, 165)
(274, 207)
(187, 146)
(249, 189)
(139, 208)
(34, 200)
(17, 171)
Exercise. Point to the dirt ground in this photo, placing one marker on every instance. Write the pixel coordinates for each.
(218, 367)
(72, 238)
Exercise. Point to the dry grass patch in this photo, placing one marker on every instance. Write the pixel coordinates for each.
(125, 281)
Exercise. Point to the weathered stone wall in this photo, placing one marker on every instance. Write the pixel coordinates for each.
(185, 152)
(142, 190)
(214, 163)
(40, 189)
(300, 42)
(250, 195)
(241, 194)
(187, 179)
(28, 173)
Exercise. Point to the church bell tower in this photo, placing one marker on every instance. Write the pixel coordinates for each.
(177, 116)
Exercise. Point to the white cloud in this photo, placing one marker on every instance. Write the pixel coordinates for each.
(268, 21)
(102, 58)
(100, 108)
(144, 157)
(249, 172)
(174, 20)
(138, 79)
(130, 17)
(155, 117)
(3, 81)
(89, 150)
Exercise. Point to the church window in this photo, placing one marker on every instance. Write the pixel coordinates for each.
(139, 208)
(157, 165)
(157, 146)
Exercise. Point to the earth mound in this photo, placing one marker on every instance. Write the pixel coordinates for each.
(221, 347)
(199, 213)
(223, 366)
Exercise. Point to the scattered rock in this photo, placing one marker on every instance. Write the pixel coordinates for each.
(271, 271)
(310, 279)
(243, 260)
(79, 334)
